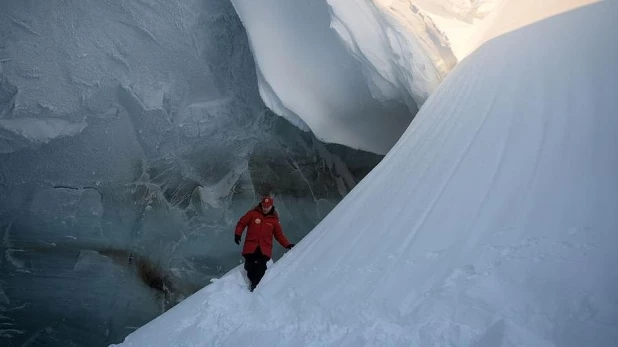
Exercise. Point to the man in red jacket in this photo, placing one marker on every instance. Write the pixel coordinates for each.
(262, 222)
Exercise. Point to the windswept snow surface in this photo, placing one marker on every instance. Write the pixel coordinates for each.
(492, 222)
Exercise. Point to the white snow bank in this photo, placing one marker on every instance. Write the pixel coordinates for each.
(42, 130)
(491, 222)
(307, 75)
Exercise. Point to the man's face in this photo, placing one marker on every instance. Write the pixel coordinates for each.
(266, 209)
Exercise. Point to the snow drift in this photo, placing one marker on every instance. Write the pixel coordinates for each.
(490, 223)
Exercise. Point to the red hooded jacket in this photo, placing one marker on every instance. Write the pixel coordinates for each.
(260, 231)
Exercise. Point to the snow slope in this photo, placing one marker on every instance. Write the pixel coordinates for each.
(490, 223)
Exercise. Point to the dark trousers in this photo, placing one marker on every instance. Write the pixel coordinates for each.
(255, 265)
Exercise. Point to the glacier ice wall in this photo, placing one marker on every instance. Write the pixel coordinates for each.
(132, 135)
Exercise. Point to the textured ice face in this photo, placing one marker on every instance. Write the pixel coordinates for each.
(132, 137)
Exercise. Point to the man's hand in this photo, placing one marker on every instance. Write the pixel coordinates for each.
(290, 246)
(237, 239)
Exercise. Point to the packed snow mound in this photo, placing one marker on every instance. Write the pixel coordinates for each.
(490, 223)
